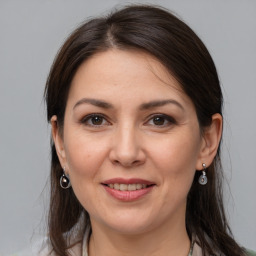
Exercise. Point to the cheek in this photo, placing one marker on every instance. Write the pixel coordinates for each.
(84, 155)
(176, 152)
(176, 158)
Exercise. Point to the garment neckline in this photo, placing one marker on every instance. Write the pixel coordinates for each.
(86, 237)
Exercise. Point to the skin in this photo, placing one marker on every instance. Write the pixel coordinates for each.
(129, 141)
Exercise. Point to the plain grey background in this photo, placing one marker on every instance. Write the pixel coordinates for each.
(32, 32)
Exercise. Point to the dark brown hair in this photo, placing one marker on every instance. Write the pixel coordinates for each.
(164, 36)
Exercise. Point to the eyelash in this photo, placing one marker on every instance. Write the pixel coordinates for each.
(86, 119)
(170, 120)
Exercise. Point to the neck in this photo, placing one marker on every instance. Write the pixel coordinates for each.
(170, 239)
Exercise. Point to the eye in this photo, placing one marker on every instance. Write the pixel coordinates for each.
(161, 120)
(95, 120)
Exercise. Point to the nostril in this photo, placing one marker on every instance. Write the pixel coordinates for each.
(127, 163)
(127, 157)
(137, 162)
(116, 162)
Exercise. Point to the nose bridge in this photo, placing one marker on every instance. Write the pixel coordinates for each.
(126, 148)
(127, 138)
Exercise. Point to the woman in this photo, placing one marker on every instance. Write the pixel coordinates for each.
(136, 111)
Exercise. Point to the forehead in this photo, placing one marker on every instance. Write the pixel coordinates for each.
(122, 74)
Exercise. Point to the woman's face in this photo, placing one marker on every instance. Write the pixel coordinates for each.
(131, 142)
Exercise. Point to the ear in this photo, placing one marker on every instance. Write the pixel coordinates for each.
(58, 141)
(210, 142)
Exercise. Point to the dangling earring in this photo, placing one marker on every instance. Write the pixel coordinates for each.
(64, 180)
(203, 179)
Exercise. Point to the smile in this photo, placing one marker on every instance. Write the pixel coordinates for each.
(127, 187)
(128, 190)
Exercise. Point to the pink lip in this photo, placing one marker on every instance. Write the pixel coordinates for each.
(127, 196)
(128, 181)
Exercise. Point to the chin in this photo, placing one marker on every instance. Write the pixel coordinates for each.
(129, 224)
(131, 228)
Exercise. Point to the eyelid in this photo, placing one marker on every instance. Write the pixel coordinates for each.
(85, 119)
(170, 119)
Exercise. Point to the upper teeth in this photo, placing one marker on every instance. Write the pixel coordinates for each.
(129, 187)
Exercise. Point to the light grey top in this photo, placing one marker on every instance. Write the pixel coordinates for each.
(41, 248)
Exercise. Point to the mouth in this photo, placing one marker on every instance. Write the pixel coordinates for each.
(128, 190)
(128, 187)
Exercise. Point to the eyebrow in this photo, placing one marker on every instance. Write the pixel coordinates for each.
(144, 106)
(95, 102)
(160, 103)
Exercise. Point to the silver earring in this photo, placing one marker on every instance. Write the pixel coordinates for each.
(203, 178)
(64, 180)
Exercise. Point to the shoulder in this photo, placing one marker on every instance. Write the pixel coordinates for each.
(197, 251)
(250, 252)
(37, 248)
(42, 247)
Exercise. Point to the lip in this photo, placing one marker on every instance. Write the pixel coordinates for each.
(128, 181)
(128, 196)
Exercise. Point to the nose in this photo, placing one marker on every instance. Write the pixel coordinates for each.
(127, 147)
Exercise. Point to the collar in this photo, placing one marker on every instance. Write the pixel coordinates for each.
(195, 249)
